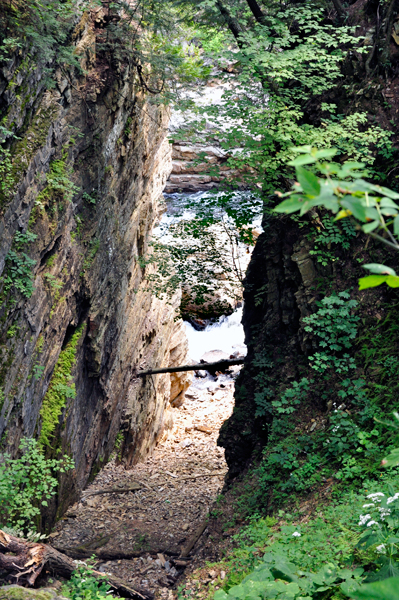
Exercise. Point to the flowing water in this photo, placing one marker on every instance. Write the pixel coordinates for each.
(226, 335)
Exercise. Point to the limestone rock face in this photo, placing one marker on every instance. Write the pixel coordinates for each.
(179, 382)
(89, 167)
(190, 175)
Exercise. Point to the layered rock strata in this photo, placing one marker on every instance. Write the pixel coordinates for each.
(88, 169)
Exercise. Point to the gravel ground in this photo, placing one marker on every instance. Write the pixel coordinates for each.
(179, 483)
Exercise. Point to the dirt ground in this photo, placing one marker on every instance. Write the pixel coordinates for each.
(140, 535)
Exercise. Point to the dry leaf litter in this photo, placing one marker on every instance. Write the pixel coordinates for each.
(156, 522)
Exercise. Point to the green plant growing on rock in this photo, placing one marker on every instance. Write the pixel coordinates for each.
(336, 328)
(60, 389)
(59, 182)
(27, 483)
(19, 266)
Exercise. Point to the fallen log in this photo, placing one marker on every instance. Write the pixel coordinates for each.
(189, 545)
(79, 553)
(220, 365)
(24, 561)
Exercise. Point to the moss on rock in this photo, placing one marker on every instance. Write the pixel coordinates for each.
(16, 592)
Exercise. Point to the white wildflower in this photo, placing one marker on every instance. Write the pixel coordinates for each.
(393, 498)
(296, 534)
(370, 523)
(368, 505)
(380, 549)
(375, 495)
(364, 519)
(335, 429)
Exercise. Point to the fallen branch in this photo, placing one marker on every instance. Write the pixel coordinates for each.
(24, 561)
(220, 365)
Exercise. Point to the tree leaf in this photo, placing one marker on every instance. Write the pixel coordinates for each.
(356, 207)
(369, 227)
(371, 281)
(379, 269)
(392, 281)
(302, 160)
(326, 153)
(379, 590)
(289, 206)
(308, 181)
(392, 460)
(388, 203)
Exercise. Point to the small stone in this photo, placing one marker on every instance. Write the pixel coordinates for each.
(222, 574)
(185, 526)
(204, 429)
(202, 374)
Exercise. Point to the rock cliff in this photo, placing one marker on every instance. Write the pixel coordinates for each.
(80, 198)
(283, 283)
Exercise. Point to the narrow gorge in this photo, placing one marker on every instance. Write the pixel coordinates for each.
(186, 183)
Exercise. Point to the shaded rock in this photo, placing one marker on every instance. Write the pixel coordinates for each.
(16, 592)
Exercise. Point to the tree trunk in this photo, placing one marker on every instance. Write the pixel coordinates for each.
(339, 8)
(256, 11)
(389, 19)
(231, 22)
(24, 561)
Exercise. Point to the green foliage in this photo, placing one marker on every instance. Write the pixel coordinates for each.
(382, 590)
(89, 258)
(279, 71)
(200, 246)
(372, 207)
(44, 28)
(19, 266)
(84, 586)
(292, 397)
(330, 237)
(59, 182)
(53, 282)
(91, 199)
(13, 330)
(27, 483)
(335, 327)
(37, 372)
(60, 389)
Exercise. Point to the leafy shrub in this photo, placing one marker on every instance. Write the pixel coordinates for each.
(292, 396)
(27, 483)
(335, 327)
(84, 586)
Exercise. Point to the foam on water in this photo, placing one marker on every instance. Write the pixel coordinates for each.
(226, 335)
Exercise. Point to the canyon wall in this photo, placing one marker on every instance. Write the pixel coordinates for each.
(284, 282)
(86, 171)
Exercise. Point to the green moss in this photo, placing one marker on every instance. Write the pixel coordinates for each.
(59, 390)
(15, 592)
(39, 344)
(37, 132)
(51, 260)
